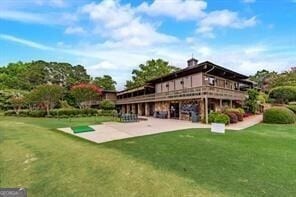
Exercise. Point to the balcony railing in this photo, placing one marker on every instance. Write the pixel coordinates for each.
(189, 93)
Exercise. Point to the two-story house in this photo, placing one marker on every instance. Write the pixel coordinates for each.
(200, 88)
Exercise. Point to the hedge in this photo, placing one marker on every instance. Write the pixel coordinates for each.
(292, 108)
(107, 105)
(218, 117)
(73, 112)
(61, 113)
(279, 115)
(283, 94)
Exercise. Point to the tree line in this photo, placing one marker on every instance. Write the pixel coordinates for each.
(36, 81)
(28, 75)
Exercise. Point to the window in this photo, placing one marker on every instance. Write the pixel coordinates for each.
(211, 81)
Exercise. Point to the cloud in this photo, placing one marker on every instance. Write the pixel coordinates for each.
(121, 25)
(23, 17)
(179, 9)
(74, 30)
(25, 42)
(224, 18)
(106, 65)
(38, 18)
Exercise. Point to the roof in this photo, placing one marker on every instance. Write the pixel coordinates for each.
(207, 67)
(110, 91)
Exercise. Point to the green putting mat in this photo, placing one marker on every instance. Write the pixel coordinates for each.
(81, 129)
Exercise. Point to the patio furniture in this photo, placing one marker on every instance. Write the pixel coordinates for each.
(161, 114)
(194, 117)
(128, 118)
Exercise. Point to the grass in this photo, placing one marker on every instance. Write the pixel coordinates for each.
(259, 161)
(53, 123)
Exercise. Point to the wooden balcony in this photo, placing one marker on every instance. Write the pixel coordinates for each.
(190, 93)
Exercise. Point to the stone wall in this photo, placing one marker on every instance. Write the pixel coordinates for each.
(162, 106)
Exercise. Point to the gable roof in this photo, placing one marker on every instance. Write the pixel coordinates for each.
(207, 67)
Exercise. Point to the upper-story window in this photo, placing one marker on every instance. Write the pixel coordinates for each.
(236, 86)
(211, 81)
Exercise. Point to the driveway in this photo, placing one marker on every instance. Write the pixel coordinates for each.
(110, 131)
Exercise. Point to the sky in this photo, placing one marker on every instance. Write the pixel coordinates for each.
(114, 37)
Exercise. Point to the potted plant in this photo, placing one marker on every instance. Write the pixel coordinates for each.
(218, 121)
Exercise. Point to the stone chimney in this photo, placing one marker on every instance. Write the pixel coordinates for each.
(192, 62)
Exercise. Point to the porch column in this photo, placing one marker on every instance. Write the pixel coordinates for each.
(140, 109)
(221, 104)
(123, 109)
(147, 112)
(230, 103)
(169, 112)
(134, 108)
(180, 110)
(206, 110)
(128, 108)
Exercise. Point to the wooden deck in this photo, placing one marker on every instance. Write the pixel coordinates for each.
(190, 93)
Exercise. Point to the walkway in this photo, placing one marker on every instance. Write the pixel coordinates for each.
(110, 131)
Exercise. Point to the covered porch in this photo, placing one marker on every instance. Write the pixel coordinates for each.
(182, 109)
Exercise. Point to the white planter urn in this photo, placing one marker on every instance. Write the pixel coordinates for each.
(218, 127)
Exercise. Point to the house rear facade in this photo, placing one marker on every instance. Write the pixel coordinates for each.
(199, 88)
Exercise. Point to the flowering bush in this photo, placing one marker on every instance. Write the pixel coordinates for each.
(85, 94)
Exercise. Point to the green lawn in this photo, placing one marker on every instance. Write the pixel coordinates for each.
(260, 161)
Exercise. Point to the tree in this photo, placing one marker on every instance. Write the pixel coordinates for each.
(47, 95)
(106, 82)
(252, 100)
(287, 78)
(107, 105)
(263, 79)
(6, 98)
(17, 102)
(150, 70)
(85, 94)
(27, 76)
(283, 94)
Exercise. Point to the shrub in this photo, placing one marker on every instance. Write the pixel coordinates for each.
(37, 113)
(217, 117)
(238, 112)
(232, 116)
(240, 116)
(279, 115)
(24, 113)
(107, 105)
(72, 112)
(283, 94)
(64, 105)
(107, 112)
(292, 108)
(241, 110)
(9, 113)
(252, 100)
(262, 97)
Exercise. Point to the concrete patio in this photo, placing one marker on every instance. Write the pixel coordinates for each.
(110, 131)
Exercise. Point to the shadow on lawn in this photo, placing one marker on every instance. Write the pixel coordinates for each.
(241, 163)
